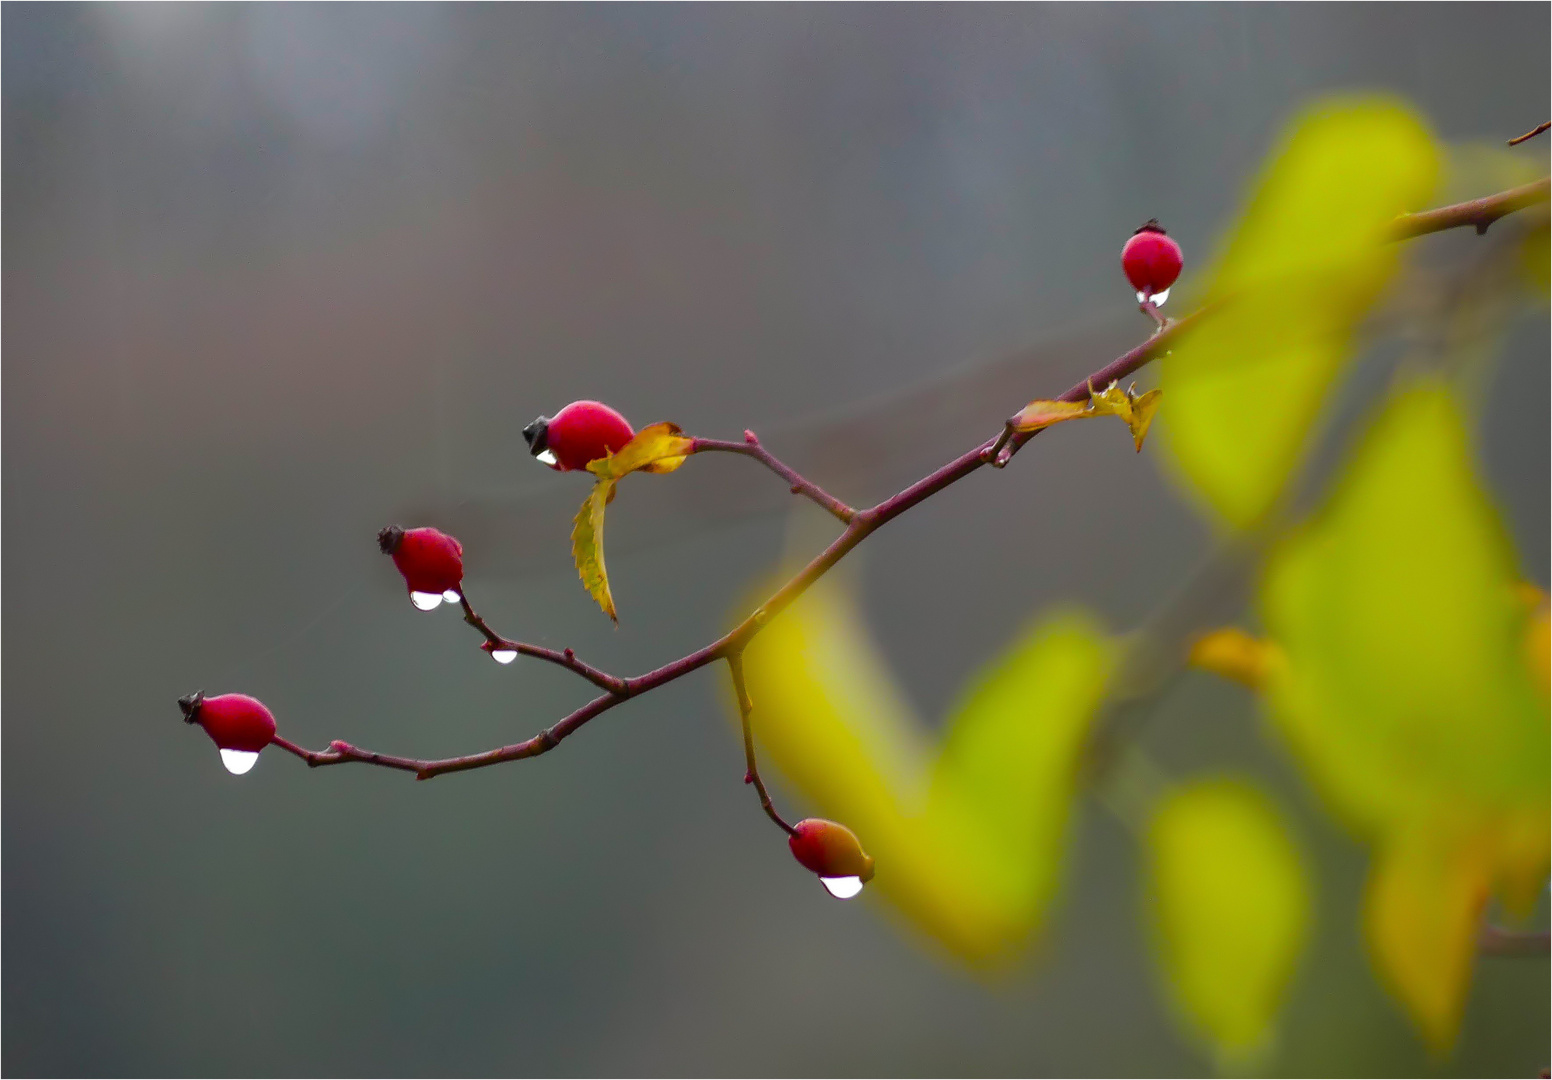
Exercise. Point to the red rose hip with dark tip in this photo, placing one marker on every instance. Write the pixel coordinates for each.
(1151, 260)
(830, 850)
(430, 560)
(233, 721)
(581, 432)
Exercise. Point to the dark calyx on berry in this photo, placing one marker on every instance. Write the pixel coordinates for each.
(1151, 225)
(191, 706)
(388, 540)
(537, 435)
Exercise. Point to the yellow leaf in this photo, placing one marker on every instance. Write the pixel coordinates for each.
(1136, 411)
(587, 545)
(1405, 683)
(659, 448)
(1141, 415)
(1422, 911)
(1010, 755)
(1233, 654)
(1042, 414)
(1404, 689)
(967, 848)
(1305, 263)
(1231, 910)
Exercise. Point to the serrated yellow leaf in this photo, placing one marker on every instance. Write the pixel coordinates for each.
(1304, 265)
(1231, 910)
(658, 448)
(587, 545)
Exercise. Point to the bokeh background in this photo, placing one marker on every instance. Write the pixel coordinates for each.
(275, 276)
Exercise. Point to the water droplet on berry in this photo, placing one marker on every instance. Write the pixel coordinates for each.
(425, 600)
(238, 762)
(843, 888)
(451, 596)
(1142, 297)
(503, 656)
(1160, 297)
(547, 457)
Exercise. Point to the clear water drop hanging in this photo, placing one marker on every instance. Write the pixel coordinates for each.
(843, 888)
(451, 596)
(503, 656)
(547, 457)
(1160, 297)
(238, 762)
(425, 600)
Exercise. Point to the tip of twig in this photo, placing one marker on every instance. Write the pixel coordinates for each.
(1531, 134)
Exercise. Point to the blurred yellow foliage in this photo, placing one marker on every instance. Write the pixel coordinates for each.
(1303, 267)
(968, 840)
(1406, 693)
(1231, 910)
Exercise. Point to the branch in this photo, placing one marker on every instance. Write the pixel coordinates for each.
(1477, 212)
(751, 447)
(752, 771)
(1496, 941)
(859, 525)
(567, 659)
(1532, 133)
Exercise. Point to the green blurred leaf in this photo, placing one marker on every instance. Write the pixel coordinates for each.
(1232, 910)
(968, 847)
(1306, 262)
(1405, 690)
(1011, 751)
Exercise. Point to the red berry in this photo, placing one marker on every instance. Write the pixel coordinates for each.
(240, 725)
(430, 560)
(1152, 262)
(832, 851)
(581, 432)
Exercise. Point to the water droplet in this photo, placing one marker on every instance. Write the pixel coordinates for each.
(843, 888)
(425, 600)
(1160, 297)
(1142, 297)
(503, 656)
(451, 596)
(238, 762)
(547, 457)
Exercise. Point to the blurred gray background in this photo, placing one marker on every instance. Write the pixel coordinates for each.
(276, 276)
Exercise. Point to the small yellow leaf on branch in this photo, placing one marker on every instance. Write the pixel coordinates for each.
(659, 448)
(1134, 409)
(587, 546)
(1038, 415)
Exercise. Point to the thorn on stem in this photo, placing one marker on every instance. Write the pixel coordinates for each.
(751, 438)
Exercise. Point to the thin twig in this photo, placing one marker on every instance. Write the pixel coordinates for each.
(798, 484)
(1479, 213)
(1496, 941)
(735, 662)
(859, 525)
(567, 659)
(1532, 133)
